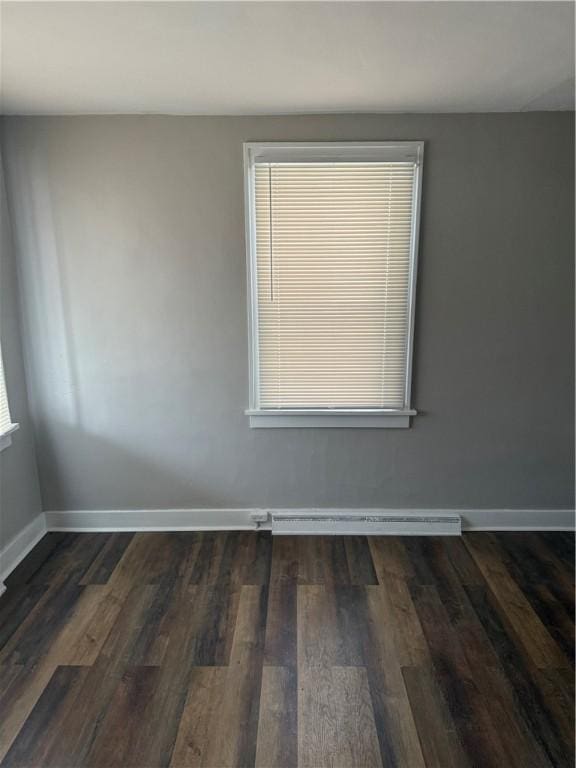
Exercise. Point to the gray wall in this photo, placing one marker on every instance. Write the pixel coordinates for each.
(131, 235)
(19, 487)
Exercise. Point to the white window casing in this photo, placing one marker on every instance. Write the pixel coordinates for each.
(6, 425)
(332, 237)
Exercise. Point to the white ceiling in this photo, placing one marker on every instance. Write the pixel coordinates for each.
(286, 57)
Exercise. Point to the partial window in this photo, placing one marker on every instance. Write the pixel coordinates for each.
(332, 238)
(6, 425)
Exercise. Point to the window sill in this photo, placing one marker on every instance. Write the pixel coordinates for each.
(6, 437)
(356, 419)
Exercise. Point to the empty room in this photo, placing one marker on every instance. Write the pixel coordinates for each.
(287, 384)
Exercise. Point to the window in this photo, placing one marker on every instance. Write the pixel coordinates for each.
(332, 234)
(6, 426)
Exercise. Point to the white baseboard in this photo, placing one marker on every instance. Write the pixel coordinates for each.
(517, 519)
(151, 520)
(17, 548)
(241, 519)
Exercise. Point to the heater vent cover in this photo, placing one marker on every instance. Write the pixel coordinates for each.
(365, 524)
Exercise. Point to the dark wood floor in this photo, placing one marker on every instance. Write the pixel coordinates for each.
(189, 649)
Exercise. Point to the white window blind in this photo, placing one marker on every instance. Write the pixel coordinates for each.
(5, 421)
(333, 258)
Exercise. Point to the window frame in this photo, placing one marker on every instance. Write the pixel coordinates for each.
(6, 435)
(379, 151)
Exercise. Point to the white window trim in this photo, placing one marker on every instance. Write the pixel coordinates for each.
(6, 437)
(332, 152)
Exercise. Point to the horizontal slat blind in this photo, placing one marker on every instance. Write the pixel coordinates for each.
(5, 422)
(333, 250)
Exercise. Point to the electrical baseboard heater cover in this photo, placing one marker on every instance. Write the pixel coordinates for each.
(289, 523)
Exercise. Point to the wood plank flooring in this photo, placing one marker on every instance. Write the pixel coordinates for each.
(236, 649)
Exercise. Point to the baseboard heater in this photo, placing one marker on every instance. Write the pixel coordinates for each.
(369, 524)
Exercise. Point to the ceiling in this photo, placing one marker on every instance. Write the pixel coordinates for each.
(286, 57)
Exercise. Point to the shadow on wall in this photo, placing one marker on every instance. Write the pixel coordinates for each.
(46, 317)
(68, 405)
(65, 483)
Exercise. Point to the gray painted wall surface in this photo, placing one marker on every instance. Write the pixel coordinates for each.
(19, 487)
(131, 234)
